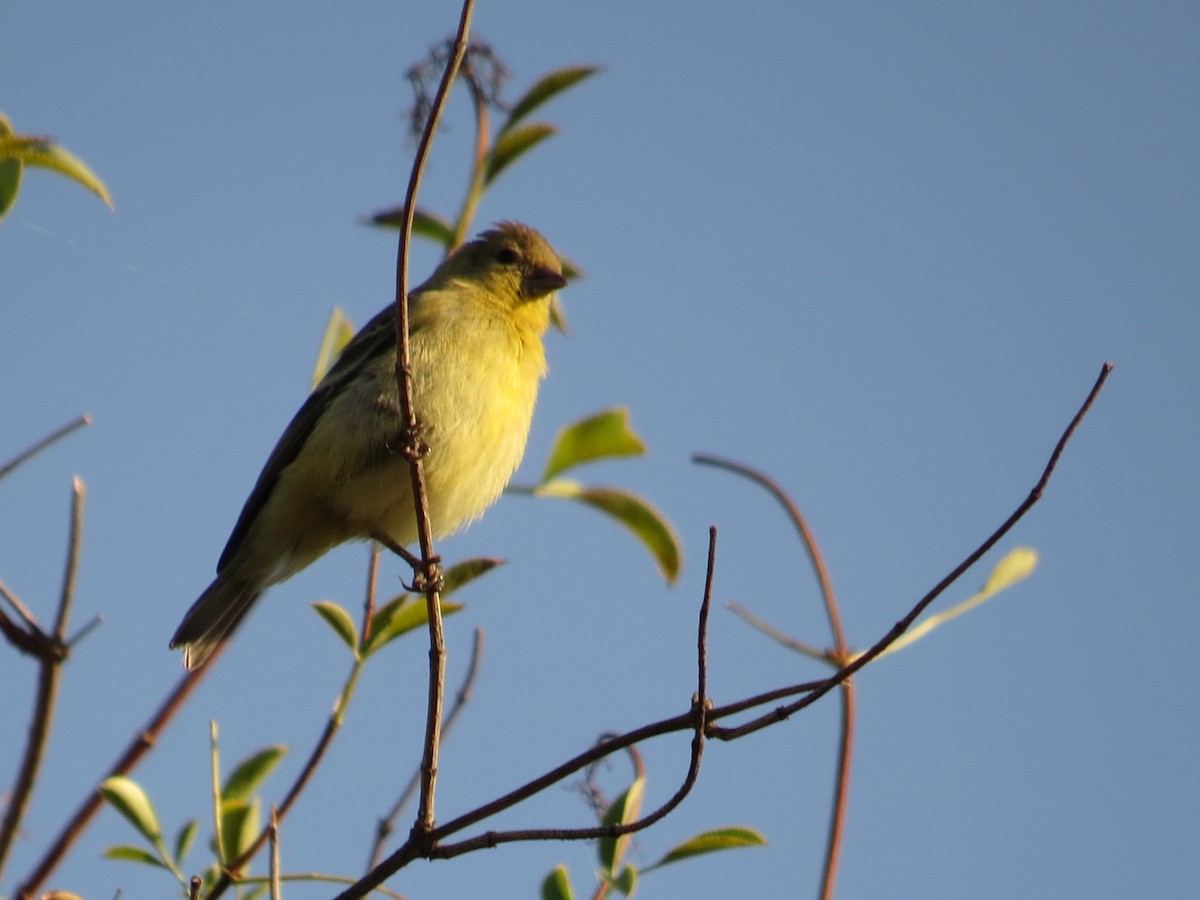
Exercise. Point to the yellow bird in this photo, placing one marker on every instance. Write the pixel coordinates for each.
(338, 472)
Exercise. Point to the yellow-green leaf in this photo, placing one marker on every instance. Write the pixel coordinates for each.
(624, 809)
(463, 573)
(626, 882)
(599, 436)
(63, 161)
(128, 798)
(647, 524)
(426, 224)
(240, 824)
(337, 335)
(339, 620)
(557, 885)
(511, 145)
(134, 854)
(712, 841)
(11, 168)
(546, 87)
(1017, 565)
(43, 152)
(432, 226)
(185, 838)
(401, 616)
(250, 773)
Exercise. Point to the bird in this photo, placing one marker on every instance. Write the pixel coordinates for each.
(339, 472)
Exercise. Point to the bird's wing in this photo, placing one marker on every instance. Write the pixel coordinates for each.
(376, 337)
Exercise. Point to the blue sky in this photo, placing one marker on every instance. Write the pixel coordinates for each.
(879, 251)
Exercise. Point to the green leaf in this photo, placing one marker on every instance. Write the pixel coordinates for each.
(430, 225)
(398, 617)
(624, 809)
(184, 839)
(557, 885)
(134, 854)
(337, 335)
(712, 841)
(546, 87)
(251, 772)
(426, 224)
(626, 882)
(128, 798)
(647, 524)
(600, 436)
(63, 161)
(463, 573)
(239, 827)
(10, 172)
(341, 623)
(511, 145)
(44, 153)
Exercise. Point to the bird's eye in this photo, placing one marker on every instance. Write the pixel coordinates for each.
(506, 256)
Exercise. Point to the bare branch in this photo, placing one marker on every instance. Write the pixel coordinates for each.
(26, 455)
(428, 575)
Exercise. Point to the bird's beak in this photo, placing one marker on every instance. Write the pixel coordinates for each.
(541, 282)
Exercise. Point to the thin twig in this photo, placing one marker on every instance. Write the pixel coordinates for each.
(387, 825)
(372, 587)
(838, 657)
(19, 608)
(273, 868)
(50, 664)
(25, 456)
(900, 627)
(841, 793)
(428, 575)
(695, 720)
(801, 525)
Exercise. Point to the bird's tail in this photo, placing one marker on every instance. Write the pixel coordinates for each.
(212, 618)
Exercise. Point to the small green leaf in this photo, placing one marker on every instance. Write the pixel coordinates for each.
(339, 620)
(337, 335)
(63, 161)
(463, 573)
(128, 798)
(184, 839)
(251, 772)
(549, 85)
(134, 854)
(398, 617)
(426, 224)
(624, 809)
(511, 145)
(570, 271)
(239, 827)
(10, 172)
(600, 436)
(626, 882)
(557, 885)
(712, 841)
(44, 153)
(647, 524)
(430, 225)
